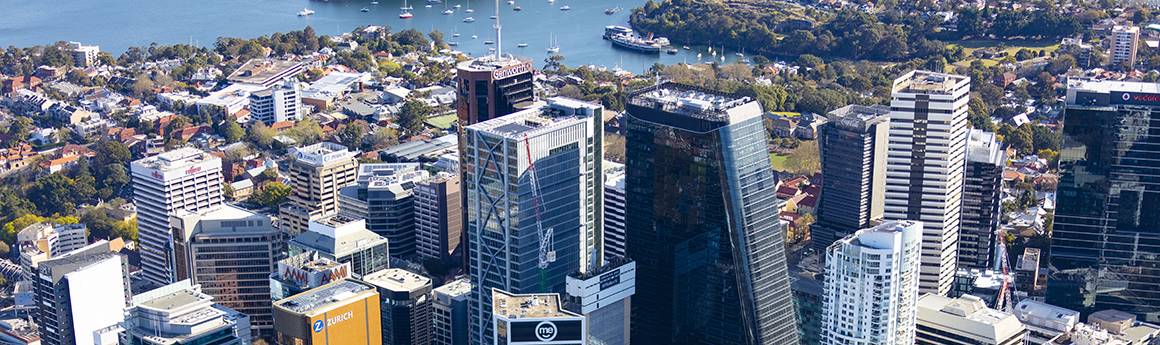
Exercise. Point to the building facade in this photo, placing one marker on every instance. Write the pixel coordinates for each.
(615, 243)
(853, 149)
(536, 318)
(964, 321)
(702, 221)
(276, 104)
(185, 179)
(491, 86)
(604, 297)
(450, 309)
(43, 241)
(1105, 240)
(305, 271)
(406, 306)
(345, 240)
(982, 190)
(317, 173)
(79, 294)
(924, 169)
(344, 312)
(871, 286)
(384, 196)
(180, 313)
(1125, 42)
(532, 202)
(438, 217)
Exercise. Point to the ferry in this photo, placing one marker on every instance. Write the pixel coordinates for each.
(305, 12)
(611, 30)
(640, 44)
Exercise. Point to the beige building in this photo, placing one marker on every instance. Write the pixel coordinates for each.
(316, 174)
(964, 320)
(1125, 41)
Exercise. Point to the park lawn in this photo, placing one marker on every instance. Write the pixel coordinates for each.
(442, 121)
(778, 161)
(1012, 47)
(786, 113)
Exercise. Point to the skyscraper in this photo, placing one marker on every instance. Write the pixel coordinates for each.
(230, 253)
(1105, 242)
(406, 306)
(383, 196)
(533, 200)
(180, 313)
(853, 148)
(982, 188)
(80, 293)
(924, 168)
(614, 231)
(316, 173)
(871, 287)
(450, 317)
(1125, 42)
(185, 179)
(346, 240)
(438, 217)
(491, 86)
(702, 221)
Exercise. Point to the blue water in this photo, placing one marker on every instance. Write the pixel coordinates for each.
(118, 24)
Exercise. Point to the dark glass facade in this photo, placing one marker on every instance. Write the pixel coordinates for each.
(702, 225)
(853, 155)
(1106, 240)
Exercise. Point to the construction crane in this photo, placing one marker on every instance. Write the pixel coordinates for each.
(1005, 301)
(547, 247)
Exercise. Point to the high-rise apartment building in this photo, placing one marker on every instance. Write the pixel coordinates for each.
(346, 240)
(305, 271)
(853, 150)
(406, 306)
(449, 319)
(180, 313)
(533, 201)
(614, 229)
(1125, 42)
(230, 253)
(491, 86)
(80, 293)
(1105, 243)
(438, 217)
(924, 166)
(316, 173)
(344, 312)
(84, 56)
(604, 297)
(982, 189)
(43, 241)
(702, 221)
(964, 321)
(383, 195)
(278, 103)
(185, 179)
(871, 286)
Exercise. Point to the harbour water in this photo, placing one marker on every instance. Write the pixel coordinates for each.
(116, 25)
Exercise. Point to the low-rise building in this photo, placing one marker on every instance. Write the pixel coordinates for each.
(965, 320)
(180, 313)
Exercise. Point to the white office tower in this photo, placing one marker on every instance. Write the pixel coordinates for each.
(81, 293)
(345, 240)
(185, 179)
(871, 286)
(180, 313)
(924, 167)
(964, 321)
(449, 317)
(276, 104)
(43, 241)
(604, 297)
(614, 206)
(317, 173)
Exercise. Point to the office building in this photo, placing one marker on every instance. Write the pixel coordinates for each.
(702, 221)
(344, 312)
(185, 179)
(180, 313)
(84, 56)
(808, 289)
(317, 173)
(537, 318)
(1104, 241)
(383, 196)
(1045, 322)
(438, 217)
(305, 271)
(963, 321)
(492, 86)
(604, 298)
(406, 306)
(345, 240)
(230, 253)
(614, 228)
(871, 285)
(1028, 279)
(267, 72)
(853, 155)
(80, 293)
(924, 167)
(43, 241)
(278, 103)
(1125, 42)
(533, 202)
(449, 317)
(982, 190)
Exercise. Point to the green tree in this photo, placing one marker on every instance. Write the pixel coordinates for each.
(306, 131)
(53, 194)
(231, 130)
(262, 135)
(412, 115)
(271, 194)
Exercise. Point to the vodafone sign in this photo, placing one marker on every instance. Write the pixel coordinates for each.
(1137, 98)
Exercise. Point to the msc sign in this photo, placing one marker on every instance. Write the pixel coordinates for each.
(1135, 98)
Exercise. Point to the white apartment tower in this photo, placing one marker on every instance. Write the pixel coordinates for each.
(278, 103)
(614, 205)
(185, 179)
(1124, 44)
(871, 286)
(924, 166)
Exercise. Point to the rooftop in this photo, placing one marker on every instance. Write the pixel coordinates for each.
(322, 153)
(310, 261)
(491, 63)
(395, 279)
(537, 120)
(967, 314)
(515, 306)
(984, 147)
(390, 175)
(324, 297)
(176, 159)
(176, 300)
(460, 287)
(261, 71)
(857, 117)
(690, 101)
(1106, 86)
(883, 235)
(927, 82)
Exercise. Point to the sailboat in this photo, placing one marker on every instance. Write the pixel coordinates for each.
(406, 14)
(469, 10)
(553, 46)
(305, 12)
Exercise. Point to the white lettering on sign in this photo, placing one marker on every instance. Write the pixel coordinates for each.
(340, 318)
(546, 331)
(510, 71)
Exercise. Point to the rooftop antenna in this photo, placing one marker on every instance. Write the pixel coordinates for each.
(498, 34)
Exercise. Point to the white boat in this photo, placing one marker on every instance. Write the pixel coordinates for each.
(492, 17)
(469, 10)
(453, 43)
(553, 47)
(458, 5)
(474, 36)
(511, 2)
(565, 8)
(522, 45)
(364, 10)
(374, 2)
(305, 12)
(489, 42)
(406, 11)
(448, 12)
(469, 20)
